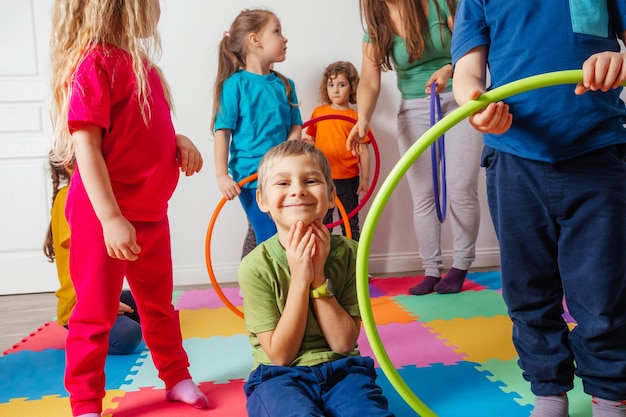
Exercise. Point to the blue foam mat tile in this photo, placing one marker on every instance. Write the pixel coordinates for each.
(216, 359)
(452, 391)
(34, 374)
(490, 279)
(229, 358)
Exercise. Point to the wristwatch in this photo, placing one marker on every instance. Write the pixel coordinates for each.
(323, 290)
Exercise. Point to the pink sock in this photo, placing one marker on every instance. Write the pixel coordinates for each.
(90, 415)
(187, 392)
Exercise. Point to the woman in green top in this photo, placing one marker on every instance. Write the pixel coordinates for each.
(412, 37)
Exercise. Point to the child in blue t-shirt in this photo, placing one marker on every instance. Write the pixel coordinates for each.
(555, 165)
(254, 108)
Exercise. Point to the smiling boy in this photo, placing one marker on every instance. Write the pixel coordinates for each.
(300, 299)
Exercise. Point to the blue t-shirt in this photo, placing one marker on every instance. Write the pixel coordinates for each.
(255, 108)
(531, 37)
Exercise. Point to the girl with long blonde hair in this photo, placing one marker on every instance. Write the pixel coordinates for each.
(112, 113)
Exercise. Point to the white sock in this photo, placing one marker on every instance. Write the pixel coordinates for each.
(608, 408)
(550, 406)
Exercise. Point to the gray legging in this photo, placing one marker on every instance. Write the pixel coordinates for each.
(463, 147)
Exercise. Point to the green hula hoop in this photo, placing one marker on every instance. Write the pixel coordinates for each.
(389, 185)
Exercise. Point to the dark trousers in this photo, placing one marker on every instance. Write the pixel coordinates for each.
(346, 192)
(562, 233)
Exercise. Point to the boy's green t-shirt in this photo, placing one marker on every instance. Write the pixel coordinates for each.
(264, 278)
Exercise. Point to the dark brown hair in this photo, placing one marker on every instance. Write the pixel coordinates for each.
(377, 23)
(60, 176)
(233, 49)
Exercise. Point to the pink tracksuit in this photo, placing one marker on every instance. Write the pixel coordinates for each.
(141, 161)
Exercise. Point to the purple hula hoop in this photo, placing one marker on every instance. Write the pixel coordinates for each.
(438, 157)
(370, 135)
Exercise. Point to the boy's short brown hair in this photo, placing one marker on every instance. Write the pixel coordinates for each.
(294, 148)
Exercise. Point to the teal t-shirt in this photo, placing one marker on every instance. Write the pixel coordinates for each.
(412, 77)
(256, 110)
(264, 278)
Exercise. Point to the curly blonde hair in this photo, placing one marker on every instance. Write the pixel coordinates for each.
(340, 67)
(79, 26)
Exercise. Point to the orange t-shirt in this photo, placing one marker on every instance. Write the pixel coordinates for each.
(330, 137)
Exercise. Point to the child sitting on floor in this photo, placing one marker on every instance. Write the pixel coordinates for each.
(300, 299)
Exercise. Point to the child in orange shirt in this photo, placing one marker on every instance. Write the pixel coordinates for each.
(350, 173)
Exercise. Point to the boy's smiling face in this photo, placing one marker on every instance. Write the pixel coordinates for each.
(295, 190)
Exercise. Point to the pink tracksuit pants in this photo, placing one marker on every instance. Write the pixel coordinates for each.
(98, 282)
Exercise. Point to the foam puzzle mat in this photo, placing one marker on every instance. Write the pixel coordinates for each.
(454, 351)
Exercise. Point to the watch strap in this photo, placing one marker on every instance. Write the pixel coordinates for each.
(321, 291)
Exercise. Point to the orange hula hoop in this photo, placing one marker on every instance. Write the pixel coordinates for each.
(209, 234)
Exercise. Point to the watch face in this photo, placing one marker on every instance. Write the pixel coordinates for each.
(329, 287)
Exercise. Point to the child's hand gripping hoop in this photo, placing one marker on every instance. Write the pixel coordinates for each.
(370, 136)
(209, 235)
(387, 188)
(438, 157)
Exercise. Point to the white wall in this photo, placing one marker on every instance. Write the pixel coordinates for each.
(319, 33)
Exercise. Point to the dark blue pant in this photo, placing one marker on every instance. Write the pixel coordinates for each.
(346, 192)
(562, 233)
(125, 335)
(342, 388)
(262, 223)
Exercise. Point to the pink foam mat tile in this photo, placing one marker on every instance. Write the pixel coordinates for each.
(225, 400)
(411, 344)
(401, 285)
(49, 336)
(208, 298)
(395, 285)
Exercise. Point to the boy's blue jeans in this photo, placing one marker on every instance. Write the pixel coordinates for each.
(562, 233)
(342, 388)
